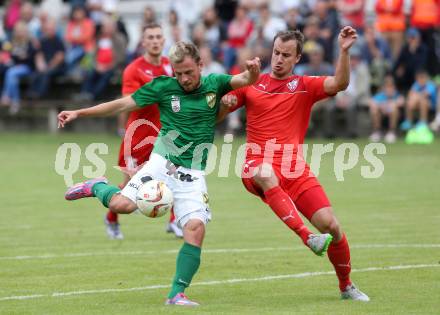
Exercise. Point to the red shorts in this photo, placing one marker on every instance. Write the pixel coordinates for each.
(304, 190)
(135, 157)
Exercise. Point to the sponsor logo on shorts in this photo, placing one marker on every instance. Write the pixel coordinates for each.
(133, 185)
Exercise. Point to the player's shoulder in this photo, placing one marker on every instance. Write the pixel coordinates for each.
(132, 66)
(164, 60)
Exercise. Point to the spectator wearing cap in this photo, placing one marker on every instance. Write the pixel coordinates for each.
(412, 57)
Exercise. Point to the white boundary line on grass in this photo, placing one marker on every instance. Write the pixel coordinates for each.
(207, 251)
(216, 282)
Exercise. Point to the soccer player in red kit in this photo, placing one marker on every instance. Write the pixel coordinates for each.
(142, 123)
(278, 109)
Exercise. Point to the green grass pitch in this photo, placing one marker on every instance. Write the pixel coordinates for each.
(55, 255)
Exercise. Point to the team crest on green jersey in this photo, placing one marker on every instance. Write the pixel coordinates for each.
(175, 103)
(210, 99)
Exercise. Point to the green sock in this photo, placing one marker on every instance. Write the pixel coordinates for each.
(188, 261)
(104, 192)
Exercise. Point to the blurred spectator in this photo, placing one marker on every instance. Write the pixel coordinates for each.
(261, 47)
(109, 57)
(225, 10)
(328, 21)
(213, 33)
(190, 11)
(233, 120)
(269, 23)
(11, 16)
(387, 102)
(23, 62)
(412, 57)
(27, 16)
(318, 67)
(111, 12)
(80, 36)
(293, 20)
(174, 30)
(49, 60)
(422, 97)
(352, 13)
(149, 16)
(425, 16)
(390, 22)
(312, 37)
(356, 94)
(239, 31)
(98, 9)
(55, 8)
(209, 65)
(376, 52)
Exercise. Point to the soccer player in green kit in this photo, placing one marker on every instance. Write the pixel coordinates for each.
(188, 105)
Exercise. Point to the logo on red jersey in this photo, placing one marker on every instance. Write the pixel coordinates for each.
(292, 85)
(263, 86)
(175, 103)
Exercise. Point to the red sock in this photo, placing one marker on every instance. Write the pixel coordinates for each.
(112, 217)
(285, 209)
(339, 255)
(172, 217)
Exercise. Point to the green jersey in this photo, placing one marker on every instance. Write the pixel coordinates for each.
(188, 118)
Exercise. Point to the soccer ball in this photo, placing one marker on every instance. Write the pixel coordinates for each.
(154, 198)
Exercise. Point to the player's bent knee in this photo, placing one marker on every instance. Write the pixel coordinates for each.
(121, 204)
(265, 176)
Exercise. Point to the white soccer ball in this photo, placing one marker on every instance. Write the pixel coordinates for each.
(154, 198)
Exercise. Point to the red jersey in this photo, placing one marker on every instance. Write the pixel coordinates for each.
(277, 117)
(135, 75)
(279, 109)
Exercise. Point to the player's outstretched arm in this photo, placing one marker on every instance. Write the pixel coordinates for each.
(248, 77)
(109, 108)
(341, 79)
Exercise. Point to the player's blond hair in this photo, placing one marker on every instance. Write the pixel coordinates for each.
(181, 49)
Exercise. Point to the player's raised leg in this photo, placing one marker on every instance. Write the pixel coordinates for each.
(108, 195)
(265, 179)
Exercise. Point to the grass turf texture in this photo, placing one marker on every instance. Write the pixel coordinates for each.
(69, 251)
